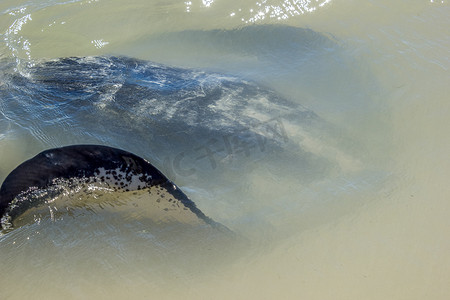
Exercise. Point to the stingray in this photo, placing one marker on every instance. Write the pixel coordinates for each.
(209, 131)
(192, 124)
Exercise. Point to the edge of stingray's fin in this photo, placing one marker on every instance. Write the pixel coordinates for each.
(91, 163)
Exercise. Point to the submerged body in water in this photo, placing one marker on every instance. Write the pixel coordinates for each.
(201, 129)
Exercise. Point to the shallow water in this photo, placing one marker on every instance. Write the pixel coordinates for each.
(374, 225)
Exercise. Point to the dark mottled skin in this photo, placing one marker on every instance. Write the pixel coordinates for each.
(83, 161)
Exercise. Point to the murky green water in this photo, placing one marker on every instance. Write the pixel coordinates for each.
(374, 225)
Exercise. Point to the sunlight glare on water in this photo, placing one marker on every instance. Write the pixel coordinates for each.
(353, 206)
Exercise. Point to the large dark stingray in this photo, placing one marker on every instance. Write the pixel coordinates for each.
(192, 124)
(89, 164)
(206, 130)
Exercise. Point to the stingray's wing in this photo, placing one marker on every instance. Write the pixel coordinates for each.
(93, 164)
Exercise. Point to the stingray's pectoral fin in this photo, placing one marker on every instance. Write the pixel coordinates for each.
(93, 175)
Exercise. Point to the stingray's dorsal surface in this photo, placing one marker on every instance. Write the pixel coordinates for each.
(115, 168)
